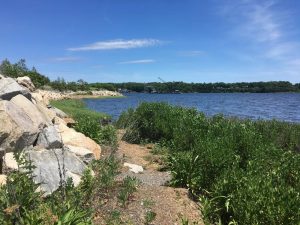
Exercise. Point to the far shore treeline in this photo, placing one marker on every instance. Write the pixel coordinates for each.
(41, 81)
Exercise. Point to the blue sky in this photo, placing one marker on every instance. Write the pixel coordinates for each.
(140, 40)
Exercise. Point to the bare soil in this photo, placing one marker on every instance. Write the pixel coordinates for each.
(169, 205)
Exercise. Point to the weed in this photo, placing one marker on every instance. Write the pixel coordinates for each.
(128, 187)
(114, 218)
(149, 217)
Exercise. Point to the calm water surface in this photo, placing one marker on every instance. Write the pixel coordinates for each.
(281, 106)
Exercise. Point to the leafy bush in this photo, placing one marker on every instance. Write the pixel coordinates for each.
(243, 171)
(93, 129)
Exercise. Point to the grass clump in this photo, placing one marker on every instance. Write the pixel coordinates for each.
(128, 187)
(149, 217)
(243, 171)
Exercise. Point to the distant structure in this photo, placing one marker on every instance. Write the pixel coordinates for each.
(164, 82)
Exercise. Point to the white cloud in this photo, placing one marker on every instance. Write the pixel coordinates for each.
(263, 24)
(264, 28)
(255, 20)
(66, 59)
(140, 61)
(191, 53)
(117, 44)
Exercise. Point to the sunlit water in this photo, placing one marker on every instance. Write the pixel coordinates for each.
(280, 106)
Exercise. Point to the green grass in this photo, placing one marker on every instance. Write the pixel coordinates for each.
(76, 108)
(243, 171)
(88, 121)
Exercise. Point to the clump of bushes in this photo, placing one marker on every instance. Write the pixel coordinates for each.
(92, 128)
(243, 171)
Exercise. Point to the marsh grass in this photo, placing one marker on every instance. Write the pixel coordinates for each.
(76, 108)
(243, 171)
(88, 121)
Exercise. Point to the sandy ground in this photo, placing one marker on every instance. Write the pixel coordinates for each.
(170, 205)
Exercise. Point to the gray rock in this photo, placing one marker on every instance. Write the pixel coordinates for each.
(49, 165)
(9, 88)
(17, 129)
(49, 138)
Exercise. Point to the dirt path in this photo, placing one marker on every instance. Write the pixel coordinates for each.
(170, 205)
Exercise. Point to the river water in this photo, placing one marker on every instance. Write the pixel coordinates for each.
(280, 106)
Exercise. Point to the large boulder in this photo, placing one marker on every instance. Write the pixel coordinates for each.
(17, 129)
(49, 138)
(26, 82)
(72, 138)
(38, 118)
(53, 165)
(9, 88)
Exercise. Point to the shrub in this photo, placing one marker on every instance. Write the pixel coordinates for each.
(243, 171)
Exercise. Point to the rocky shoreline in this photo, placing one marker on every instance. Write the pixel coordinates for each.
(46, 96)
(40, 133)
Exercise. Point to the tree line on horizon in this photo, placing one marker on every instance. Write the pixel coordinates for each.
(41, 81)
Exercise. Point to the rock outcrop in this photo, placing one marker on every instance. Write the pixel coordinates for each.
(29, 127)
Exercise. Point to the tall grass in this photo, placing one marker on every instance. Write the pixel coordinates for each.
(243, 171)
